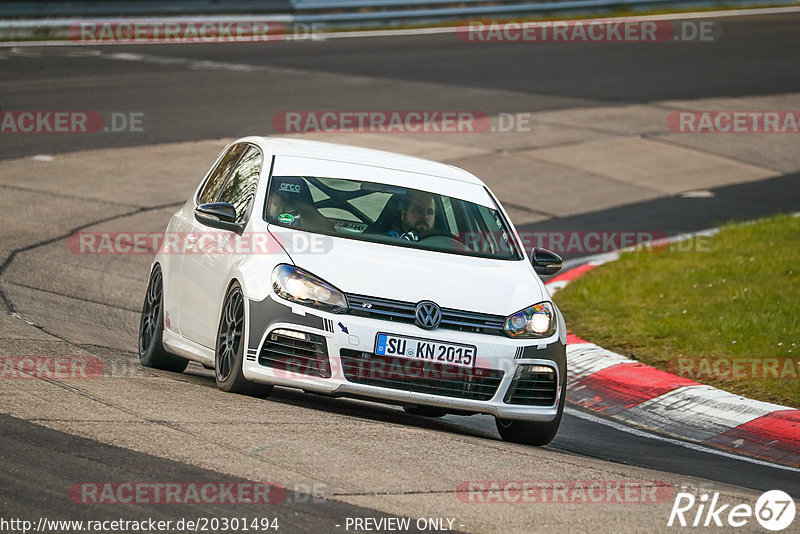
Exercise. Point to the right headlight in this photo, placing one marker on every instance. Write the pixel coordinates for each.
(297, 285)
(538, 320)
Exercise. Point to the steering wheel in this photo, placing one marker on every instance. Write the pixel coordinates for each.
(443, 240)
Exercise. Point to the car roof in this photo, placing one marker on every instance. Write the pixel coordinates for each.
(283, 146)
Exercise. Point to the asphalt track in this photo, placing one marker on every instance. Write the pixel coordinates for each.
(212, 91)
(197, 92)
(40, 465)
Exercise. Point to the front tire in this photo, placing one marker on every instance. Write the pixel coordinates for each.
(532, 433)
(229, 352)
(151, 329)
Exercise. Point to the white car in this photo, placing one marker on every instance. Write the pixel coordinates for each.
(354, 272)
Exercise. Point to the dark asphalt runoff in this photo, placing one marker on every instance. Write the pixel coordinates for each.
(675, 215)
(211, 91)
(41, 472)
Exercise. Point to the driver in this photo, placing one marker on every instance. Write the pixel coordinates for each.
(284, 208)
(416, 217)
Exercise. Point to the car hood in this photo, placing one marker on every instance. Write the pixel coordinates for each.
(453, 281)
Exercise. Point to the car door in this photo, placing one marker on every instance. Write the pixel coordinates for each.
(205, 268)
(180, 231)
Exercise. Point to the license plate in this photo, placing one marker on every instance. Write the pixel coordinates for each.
(426, 349)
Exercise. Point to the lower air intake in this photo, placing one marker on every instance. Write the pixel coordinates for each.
(296, 354)
(420, 376)
(533, 385)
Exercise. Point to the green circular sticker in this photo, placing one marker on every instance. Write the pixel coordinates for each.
(286, 218)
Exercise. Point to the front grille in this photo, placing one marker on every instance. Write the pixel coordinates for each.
(295, 356)
(419, 376)
(404, 312)
(533, 389)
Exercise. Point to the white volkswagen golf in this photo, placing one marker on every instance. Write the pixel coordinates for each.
(354, 272)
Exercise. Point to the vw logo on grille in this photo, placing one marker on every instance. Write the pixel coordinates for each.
(428, 315)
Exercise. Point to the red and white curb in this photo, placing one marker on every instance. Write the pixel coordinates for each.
(626, 390)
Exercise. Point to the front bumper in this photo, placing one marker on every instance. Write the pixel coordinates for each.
(351, 368)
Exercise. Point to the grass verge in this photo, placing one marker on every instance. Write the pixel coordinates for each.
(723, 310)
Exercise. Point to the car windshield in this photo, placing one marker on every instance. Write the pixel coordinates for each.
(389, 214)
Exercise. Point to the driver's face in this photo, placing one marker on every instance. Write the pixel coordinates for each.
(420, 214)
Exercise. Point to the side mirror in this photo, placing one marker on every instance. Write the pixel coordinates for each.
(545, 261)
(220, 215)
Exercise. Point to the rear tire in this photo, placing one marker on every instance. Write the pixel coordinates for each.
(425, 411)
(151, 329)
(229, 351)
(532, 433)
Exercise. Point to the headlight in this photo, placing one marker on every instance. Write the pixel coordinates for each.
(537, 321)
(296, 285)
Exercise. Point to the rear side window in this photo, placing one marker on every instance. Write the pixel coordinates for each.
(216, 179)
(240, 189)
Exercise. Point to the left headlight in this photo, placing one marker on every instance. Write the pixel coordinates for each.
(538, 320)
(296, 285)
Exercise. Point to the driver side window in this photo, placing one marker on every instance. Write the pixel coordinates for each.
(240, 189)
(216, 179)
